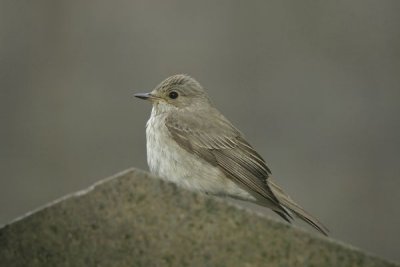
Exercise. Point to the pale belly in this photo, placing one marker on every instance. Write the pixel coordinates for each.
(169, 161)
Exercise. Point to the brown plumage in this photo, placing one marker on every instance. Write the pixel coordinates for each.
(224, 146)
(187, 137)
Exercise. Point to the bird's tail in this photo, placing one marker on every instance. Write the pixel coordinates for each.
(289, 204)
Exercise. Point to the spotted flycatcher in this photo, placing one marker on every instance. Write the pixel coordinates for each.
(190, 143)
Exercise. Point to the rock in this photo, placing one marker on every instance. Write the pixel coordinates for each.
(134, 219)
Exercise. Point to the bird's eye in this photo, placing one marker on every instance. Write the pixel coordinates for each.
(173, 95)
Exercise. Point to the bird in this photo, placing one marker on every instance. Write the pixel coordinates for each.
(190, 143)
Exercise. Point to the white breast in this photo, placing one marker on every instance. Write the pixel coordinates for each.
(169, 161)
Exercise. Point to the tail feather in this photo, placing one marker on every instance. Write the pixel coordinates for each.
(289, 204)
(286, 216)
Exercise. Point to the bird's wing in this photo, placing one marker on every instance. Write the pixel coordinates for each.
(214, 139)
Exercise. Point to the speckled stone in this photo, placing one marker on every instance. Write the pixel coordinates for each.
(133, 219)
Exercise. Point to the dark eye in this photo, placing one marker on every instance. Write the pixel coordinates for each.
(173, 95)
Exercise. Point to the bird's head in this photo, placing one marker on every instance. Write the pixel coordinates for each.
(178, 92)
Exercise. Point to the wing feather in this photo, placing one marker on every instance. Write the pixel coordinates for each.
(219, 143)
(215, 140)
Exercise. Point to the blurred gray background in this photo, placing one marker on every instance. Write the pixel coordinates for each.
(314, 85)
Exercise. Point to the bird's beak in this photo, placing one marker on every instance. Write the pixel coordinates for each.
(145, 96)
